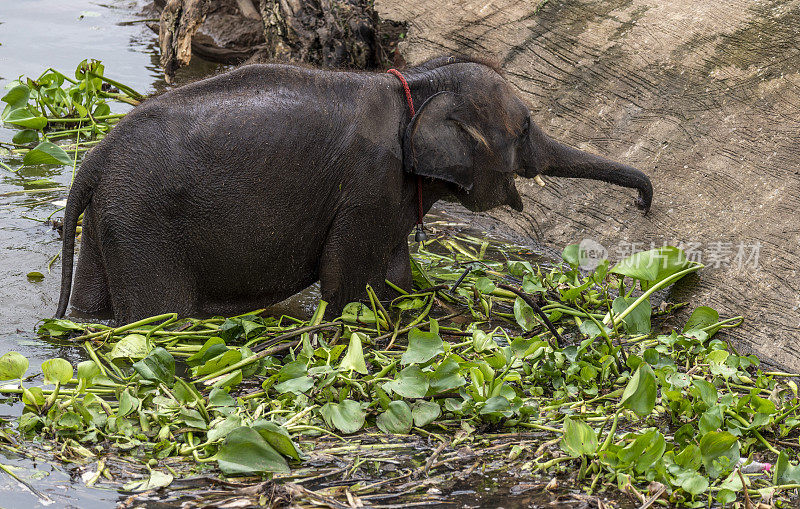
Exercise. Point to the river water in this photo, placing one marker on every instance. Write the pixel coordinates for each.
(35, 35)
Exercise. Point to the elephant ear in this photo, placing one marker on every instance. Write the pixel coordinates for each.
(437, 143)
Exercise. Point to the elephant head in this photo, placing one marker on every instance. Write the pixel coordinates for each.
(477, 134)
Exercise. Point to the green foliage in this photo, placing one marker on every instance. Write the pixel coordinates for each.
(579, 438)
(679, 408)
(13, 365)
(55, 107)
(245, 452)
(57, 371)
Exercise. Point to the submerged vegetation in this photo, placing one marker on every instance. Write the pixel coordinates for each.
(464, 363)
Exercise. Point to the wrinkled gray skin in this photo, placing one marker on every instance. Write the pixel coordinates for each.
(238, 191)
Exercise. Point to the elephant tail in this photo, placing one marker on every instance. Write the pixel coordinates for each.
(80, 194)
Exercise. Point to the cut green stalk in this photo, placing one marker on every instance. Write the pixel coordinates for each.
(658, 286)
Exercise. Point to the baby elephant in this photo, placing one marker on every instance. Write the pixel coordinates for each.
(240, 190)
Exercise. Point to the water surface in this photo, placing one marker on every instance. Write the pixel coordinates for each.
(35, 35)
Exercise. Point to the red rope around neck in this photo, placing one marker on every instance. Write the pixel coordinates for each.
(410, 101)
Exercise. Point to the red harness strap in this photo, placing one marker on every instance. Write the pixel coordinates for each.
(420, 234)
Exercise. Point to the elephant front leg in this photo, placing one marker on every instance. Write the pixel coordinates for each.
(399, 271)
(355, 255)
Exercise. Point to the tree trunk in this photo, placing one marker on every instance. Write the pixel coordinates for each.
(328, 33)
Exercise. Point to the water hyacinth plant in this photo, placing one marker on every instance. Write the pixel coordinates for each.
(622, 402)
(59, 116)
(493, 364)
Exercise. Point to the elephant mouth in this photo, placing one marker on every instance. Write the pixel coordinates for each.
(514, 199)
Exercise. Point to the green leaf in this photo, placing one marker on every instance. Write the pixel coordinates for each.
(425, 412)
(356, 312)
(701, 318)
(485, 285)
(524, 315)
(25, 137)
(216, 363)
(354, 358)
(347, 416)
(422, 347)
(572, 255)
(532, 284)
(579, 438)
(101, 109)
(653, 446)
(520, 268)
(711, 420)
(481, 341)
(637, 321)
(725, 497)
(16, 98)
(640, 393)
(689, 458)
(159, 366)
(222, 428)
(650, 267)
(87, 370)
(58, 327)
(13, 365)
(33, 397)
(211, 348)
(132, 346)
(409, 383)
(693, 483)
(418, 274)
(25, 117)
(127, 403)
(445, 377)
(47, 153)
(156, 480)
(396, 419)
(193, 418)
(591, 329)
(186, 392)
(496, 407)
(785, 472)
(277, 437)
(297, 385)
(720, 452)
(220, 398)
(708, 393)
(57, 371)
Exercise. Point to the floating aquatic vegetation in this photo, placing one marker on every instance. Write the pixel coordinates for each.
(598, 387)
(55, 108)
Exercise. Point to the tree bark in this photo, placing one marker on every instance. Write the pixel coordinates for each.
(328, 33)
(178, 23)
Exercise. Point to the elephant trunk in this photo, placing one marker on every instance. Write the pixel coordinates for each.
(559, 160)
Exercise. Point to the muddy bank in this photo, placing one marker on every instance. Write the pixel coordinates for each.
(700, 95)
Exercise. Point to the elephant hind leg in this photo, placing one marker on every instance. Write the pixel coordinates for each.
(144, 285)
(90, 293)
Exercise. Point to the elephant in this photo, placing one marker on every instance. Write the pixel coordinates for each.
(237, 191)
